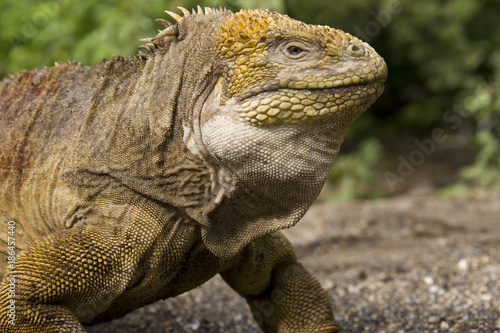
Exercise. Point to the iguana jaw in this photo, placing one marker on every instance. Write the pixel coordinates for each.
(313, 96)
(288, 106)
(304, 98)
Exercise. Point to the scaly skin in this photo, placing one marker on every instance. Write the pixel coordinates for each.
(136, 180)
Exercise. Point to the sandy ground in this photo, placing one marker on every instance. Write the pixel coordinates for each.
(407, 264)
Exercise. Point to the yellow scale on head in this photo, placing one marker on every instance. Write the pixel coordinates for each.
(241, 41)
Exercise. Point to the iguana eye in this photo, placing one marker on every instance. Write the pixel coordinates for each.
(294, 50)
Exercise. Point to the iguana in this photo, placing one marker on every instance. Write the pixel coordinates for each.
(139, 179)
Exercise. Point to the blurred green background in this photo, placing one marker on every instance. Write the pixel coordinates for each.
(435, 129)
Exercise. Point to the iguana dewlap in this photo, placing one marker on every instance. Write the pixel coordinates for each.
(138, 179)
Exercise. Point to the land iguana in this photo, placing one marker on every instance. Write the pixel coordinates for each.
(138, 179)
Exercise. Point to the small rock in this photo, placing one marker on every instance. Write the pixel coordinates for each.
(429, 280)
(444, 325)
(328, 284)
(192, 326)
(463, 265)
(362, 275)
(433, 289)
(353, 289)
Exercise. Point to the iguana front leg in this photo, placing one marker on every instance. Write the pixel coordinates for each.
(282, 295)
(59, 281)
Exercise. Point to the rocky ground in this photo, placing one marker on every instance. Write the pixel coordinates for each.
(406, 264)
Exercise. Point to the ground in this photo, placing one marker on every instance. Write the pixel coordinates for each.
(412, 263)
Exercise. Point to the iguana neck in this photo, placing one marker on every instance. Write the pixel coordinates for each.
(141, 123)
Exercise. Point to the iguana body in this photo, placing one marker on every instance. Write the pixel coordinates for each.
(137, 180)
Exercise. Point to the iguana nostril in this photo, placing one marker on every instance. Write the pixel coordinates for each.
(356, 50)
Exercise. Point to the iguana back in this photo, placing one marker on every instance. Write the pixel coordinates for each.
(48, 128)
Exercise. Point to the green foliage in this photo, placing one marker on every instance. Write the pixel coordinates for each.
(485, 170)
(353, 174)
(39, 33)
(484, 173)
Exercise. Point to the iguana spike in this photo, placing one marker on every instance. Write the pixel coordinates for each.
(184, 11)
(164, 22)
(143, 55)
(148, 47)
(208, 10)
(146, 40)
(170, 31)
(175, 16)
(200, 10)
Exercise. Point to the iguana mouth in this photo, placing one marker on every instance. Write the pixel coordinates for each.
(296, 105)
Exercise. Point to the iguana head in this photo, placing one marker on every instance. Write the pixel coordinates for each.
(282, 71)
(268, 100)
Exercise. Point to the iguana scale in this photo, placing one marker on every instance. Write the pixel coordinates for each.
(138, 179)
